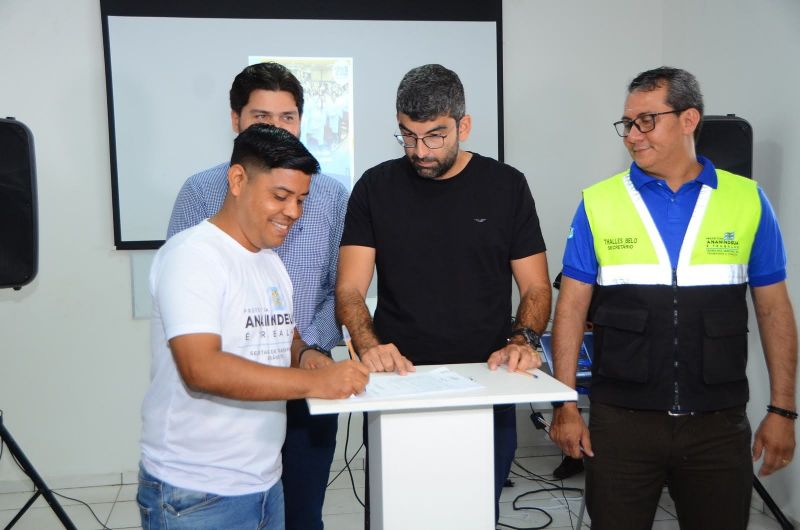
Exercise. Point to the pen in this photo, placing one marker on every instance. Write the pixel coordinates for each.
(349, 342)
(525, 372)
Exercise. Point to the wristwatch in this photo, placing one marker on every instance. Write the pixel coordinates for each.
(315, 347)
(530, 336)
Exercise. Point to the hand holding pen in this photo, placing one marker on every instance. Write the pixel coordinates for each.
(349, 342)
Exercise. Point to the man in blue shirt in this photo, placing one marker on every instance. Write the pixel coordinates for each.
(658, 258)
(270, 93)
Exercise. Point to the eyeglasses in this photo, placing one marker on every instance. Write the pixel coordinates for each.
(432, 141)
(645, 123)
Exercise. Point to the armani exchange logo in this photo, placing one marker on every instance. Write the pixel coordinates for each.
(726, 245)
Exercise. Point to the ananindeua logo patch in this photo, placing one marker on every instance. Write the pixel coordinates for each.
(275, 299)
(726, 245)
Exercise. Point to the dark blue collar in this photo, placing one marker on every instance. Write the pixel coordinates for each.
(707, 176)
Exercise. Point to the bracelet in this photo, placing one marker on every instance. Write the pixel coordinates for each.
(530, 337)
(316, 347)
(792, 415)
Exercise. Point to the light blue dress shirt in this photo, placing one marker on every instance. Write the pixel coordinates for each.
(310, 251)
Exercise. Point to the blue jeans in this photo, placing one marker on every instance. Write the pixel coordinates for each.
(163, 506)
(307, 457)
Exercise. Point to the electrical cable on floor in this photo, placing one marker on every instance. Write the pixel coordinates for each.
(553, 486)
(348, 461)
(545, 525)
(566, 503)
(540, 424)
(104, 527)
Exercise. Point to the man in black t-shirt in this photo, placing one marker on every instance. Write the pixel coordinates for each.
(447, 230)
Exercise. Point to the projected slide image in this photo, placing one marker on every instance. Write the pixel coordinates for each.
(327, 126)
(168, 111)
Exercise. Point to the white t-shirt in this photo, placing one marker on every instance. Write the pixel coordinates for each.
(203, 281)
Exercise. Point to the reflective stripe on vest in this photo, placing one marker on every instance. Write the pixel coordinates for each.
(715, 250)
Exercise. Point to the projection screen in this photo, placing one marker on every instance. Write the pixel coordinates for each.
(169, 69)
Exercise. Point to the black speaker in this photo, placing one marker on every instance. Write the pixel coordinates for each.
(19, 245)
(728, 142)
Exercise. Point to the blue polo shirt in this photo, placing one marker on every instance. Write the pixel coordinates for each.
(671, 212)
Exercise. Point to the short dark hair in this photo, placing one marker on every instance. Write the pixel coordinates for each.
(264, 76)
(429, 91)
(264, 147)
(683, 90)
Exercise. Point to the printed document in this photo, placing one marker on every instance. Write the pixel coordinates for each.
(417, 384)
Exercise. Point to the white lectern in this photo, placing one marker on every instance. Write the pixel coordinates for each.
(431, 457)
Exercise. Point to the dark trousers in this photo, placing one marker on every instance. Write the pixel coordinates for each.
(505, 446)
(704, 460)
(307, 456)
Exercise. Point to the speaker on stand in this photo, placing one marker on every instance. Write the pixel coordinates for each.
(18, 216)
(18, 265)
(728, 142)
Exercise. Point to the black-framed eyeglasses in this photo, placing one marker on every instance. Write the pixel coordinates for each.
(645, 123)
(432, 141)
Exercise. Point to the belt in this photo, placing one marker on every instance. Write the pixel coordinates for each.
(680, 413)
(675, 413)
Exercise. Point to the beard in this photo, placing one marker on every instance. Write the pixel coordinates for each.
(438, 168)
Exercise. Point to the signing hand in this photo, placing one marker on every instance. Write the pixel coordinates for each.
(339, 380)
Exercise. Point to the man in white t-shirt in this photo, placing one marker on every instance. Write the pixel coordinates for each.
(225, 352)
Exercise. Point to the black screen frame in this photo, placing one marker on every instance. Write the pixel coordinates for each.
(413, 10)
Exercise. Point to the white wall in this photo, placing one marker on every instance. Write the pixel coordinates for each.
(564, 78)
(747, 63)
(73, 362)
(566, 68)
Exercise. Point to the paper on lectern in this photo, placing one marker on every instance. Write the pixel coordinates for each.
(417, 384)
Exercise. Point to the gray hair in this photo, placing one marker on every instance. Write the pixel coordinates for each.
(429, 91)
(683, 90)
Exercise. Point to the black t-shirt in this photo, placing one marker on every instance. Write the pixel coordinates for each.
(443, 250)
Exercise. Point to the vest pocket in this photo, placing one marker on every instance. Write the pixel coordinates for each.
(624, 348)
(724, 346)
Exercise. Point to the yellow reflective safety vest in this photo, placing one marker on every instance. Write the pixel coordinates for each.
(671, 339)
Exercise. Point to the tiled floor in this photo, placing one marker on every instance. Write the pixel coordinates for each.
(115, 506)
